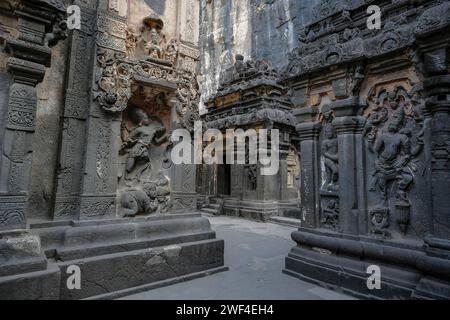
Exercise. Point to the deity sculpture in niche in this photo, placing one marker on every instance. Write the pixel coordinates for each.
(395, 132)
(138, 141)
(154, 47)
(141, 194)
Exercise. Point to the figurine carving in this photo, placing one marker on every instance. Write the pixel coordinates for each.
(330, 214)
(330, 151)
(154, 46)
(379, 218)
(397, 143)
(141, 138)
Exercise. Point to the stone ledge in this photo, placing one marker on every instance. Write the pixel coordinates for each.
(339, 261)
(116, 272)
(159, 284)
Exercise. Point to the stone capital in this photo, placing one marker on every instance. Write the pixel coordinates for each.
(306, 114)
(349, 107)
(309, 130)
(349, 124)
(26, 72)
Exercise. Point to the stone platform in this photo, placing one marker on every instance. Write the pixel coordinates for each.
(414, 270)
(113, 255)
(260, 210)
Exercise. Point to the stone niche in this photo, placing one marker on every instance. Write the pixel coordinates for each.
(144, 160)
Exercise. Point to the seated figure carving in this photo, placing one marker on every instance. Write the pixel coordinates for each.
(154, 50)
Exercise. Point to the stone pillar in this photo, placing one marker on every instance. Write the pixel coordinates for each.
(308, 131)
(282, 176)
(77, 100)
(17, 141)
(30, 54)
(349, 125)
(184, 196)
(437, 88)
(87, 177)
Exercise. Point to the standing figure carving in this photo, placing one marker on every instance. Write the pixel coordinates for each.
(395, 133)
(330, 152)
(393, 149)
(140, 139)
(331, 158)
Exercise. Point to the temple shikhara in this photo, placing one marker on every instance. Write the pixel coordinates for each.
(88, 115)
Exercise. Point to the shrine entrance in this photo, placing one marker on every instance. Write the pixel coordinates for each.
(224, 180)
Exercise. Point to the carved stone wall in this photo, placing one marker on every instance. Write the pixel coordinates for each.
(366, 105)
(29, 30)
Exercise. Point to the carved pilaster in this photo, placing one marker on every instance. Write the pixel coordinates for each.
(78, 99)
(437, 88)
(352, 200)
(308, 133)
(30, 54)
(432, 33)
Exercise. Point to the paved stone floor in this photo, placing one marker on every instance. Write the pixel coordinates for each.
(255, 254)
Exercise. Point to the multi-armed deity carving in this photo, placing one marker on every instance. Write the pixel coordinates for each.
(395, 132)
(154, 46)
(141, 194)
(150, 42)
(124, 86)
(137, 142)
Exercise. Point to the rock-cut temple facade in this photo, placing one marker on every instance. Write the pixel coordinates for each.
(87, 117)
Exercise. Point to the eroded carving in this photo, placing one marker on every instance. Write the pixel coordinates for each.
(330, 214)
